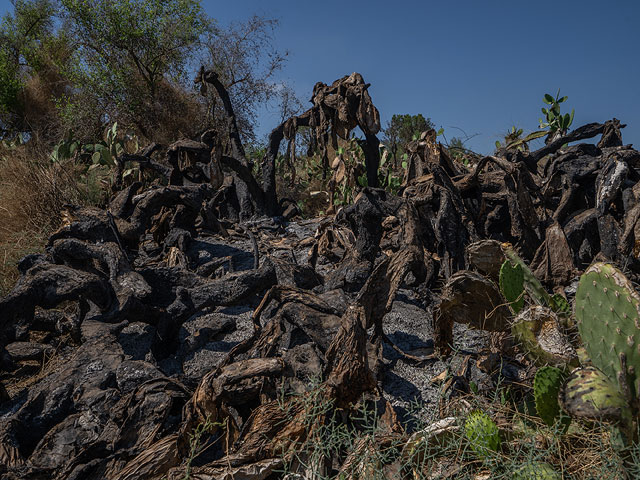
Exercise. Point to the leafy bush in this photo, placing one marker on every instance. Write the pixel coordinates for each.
(555, 121)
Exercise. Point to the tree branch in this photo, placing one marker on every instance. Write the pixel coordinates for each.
(237, 150)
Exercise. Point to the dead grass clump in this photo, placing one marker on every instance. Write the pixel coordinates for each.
(32, 193)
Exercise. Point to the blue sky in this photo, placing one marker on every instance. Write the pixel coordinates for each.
(479, 66)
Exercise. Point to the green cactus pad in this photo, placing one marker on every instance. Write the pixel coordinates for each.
(546, 386)
(531, 284)
(589, 394)
(536, 471)
(608, 315)
(512, 284)
(482, 433)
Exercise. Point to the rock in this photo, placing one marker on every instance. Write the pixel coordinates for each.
(136, 340)
(21, 351)
(132, 373)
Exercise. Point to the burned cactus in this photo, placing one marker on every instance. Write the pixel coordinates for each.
(589, 394)
(537, 331)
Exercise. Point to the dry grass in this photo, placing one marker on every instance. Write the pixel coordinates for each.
(32, 193)
(17, 385)
(584, 452)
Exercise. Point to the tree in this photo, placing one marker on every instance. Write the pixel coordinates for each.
(77, 65)
(129, 50)
(246, 62)
(10, 86)
(401, 130)
(30, 56)
(456, 145)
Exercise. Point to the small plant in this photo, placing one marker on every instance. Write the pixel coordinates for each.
(458, 152)
(482, 434)
(106, 152)
(388, 178)
(97, 159)
(560, 305)
(555, 121)
(103, 153)
(195, 442)
(513, 140)
(13, 143)
(512, 135)
(349, 174)
(65, 149)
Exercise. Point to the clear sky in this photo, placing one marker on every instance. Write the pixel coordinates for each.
(480, 66)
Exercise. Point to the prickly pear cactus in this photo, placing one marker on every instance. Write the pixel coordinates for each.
(546, 386)
(512, 284)
(533, 286)
(536, 329)
(608, 315)
(537, 471)
(590, 395)
(482, 433)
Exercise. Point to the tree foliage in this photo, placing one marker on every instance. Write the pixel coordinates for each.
(27, 47)
(80, 65)
(10, 83)
(129, 48)
(401, 130)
